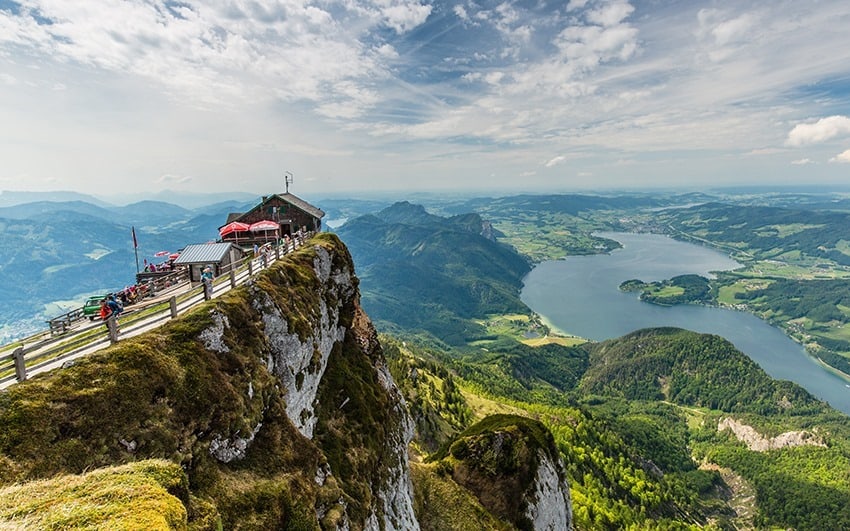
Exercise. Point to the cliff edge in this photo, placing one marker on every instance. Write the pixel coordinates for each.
(274, 400)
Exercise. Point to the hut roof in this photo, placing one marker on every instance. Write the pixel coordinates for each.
(293, 200)
(203, 253)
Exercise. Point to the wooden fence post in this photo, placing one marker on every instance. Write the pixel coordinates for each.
(277, 252)
(172, 302)
(251, 268)
(232, 279)
(20, 368)
(112, 328)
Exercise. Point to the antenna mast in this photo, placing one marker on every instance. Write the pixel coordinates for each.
(288, 178)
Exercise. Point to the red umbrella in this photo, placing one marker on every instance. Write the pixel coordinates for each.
(162, 253)
(264, 225)
(234, 226)
(173, 256)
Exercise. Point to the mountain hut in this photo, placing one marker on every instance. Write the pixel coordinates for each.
(275, 216)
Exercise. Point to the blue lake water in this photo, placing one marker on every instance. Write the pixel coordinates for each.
(580, 295)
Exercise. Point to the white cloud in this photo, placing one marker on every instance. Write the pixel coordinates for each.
(610, 14)
(802, 162)
(843, 157)
(725, 33)
(461, 13)
(589, 46)
(820, 131)
(494, 77)
(734, 30)
(386, 51)
(405, 16)
(573, 5)
(173, 179)
(555, 161)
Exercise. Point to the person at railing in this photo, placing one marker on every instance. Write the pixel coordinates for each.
(207, 278)
(114, 306)
(105, 310)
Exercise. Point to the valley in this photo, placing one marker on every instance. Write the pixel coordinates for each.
(666, 415)
(638, 417)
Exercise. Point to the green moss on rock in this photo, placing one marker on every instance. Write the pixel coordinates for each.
(144, 495)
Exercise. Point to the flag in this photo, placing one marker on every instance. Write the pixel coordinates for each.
(135, 243)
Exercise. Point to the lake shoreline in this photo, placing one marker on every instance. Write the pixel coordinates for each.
(580, 296)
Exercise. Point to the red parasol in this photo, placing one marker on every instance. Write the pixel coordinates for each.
(264, 225)
(234, 226)
(162, 253)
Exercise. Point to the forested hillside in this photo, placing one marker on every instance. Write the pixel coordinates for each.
(429, 273)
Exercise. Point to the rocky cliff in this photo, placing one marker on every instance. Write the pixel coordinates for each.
(274, 399)
(270, 407)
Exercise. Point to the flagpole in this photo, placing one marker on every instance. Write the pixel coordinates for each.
(135, 248)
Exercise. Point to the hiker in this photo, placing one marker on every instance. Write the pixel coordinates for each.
(105, 310)
(207, 278)
(114, 306)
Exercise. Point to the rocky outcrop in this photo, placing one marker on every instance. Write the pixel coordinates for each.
(759, 443)
(512, 466)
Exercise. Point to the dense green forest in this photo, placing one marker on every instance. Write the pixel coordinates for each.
(636, 462)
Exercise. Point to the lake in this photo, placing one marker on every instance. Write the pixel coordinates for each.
(580, 295)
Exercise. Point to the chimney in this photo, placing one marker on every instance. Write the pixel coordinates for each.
(264, 199)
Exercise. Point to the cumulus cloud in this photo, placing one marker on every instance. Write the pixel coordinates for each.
(843, 157)
(802, 162)
(461, 13)
(820, 131)
(404, 16)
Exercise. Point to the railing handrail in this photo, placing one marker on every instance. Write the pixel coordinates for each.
(19, 359)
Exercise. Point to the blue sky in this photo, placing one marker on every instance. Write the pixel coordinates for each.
(106, 96)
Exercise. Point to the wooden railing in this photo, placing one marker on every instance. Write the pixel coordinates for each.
(45, 351)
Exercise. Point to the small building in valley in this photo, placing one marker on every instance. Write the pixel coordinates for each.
(274, 217)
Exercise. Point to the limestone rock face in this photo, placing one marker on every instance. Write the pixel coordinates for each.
(300, 355)
(759, 443)
(549, 505)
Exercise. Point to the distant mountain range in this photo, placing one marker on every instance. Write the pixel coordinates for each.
(186, 200)
(53, 254)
